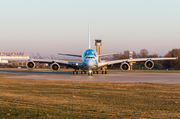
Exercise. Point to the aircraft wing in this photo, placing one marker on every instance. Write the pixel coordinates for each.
(70, 55)
(100, 64)
(60, 62)
(49, 61)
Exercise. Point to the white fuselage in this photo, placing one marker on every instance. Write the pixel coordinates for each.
(90, 59)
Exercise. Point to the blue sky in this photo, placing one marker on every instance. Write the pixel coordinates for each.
(48, 27)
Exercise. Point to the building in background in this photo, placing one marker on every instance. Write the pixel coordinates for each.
(14, 58)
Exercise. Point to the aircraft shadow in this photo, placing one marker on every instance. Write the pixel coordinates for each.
(34, 72)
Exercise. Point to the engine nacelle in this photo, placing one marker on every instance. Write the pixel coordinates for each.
(124, 66)
(149, 64)
(30, 64)
(55, 67)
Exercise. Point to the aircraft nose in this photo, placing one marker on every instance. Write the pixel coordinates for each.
(91, 63)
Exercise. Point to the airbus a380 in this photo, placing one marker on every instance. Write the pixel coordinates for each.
(90, 62)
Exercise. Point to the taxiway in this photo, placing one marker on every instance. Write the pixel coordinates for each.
(124, 77)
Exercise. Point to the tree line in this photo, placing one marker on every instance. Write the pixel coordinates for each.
(144, 53)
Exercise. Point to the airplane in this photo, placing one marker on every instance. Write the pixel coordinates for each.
(90, 62)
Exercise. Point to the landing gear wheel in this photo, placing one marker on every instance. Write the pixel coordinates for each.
(94, 72)
(102, 72)
(97, 72)
(90, 74)
(74, 72)
(105, 72)
(83, 72)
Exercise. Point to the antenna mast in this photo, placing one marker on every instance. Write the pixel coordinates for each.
(89, 36)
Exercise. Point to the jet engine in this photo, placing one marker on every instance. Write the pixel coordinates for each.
(30, 64)
(149, 64)
(55, 67)
(124, 66)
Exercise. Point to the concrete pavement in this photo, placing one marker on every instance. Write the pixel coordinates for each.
(127, 77)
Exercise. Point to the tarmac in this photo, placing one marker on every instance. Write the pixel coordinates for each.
(123, 77)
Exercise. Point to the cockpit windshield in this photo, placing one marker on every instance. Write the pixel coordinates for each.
(90, 54)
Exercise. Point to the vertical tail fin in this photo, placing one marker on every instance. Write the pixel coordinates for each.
(89, 43)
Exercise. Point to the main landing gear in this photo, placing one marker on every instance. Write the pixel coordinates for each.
(83, 72)
(75, 72)
(95, 72)
(104, 72)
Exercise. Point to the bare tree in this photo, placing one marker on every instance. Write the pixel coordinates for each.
(175, 63)
(135, 55)
(125, 55)
(120, 55)
(154, 55)
(117, 56)
(144, 53)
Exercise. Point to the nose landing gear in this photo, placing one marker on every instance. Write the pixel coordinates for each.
(90, 73)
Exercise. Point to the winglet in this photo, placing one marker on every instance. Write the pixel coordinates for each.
(89, 45)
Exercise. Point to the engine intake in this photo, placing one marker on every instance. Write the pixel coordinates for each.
(55, 67)
(149, 64)
(30, 64)
(124, 66)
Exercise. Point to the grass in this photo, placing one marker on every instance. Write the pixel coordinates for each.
(25, 98)
(3, 75)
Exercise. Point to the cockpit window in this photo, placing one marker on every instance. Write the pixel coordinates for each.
(90, 57)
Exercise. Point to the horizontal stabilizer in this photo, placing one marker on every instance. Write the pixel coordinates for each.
(70, 55)
(108, 54)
